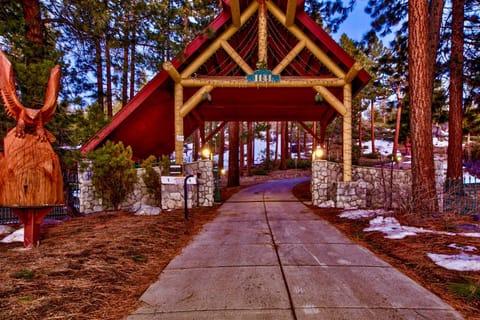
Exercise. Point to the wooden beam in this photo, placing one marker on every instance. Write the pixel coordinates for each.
(179, 138)
(347, 133)
(236, 57)
(310, 131)
(172, 71)
(300, 35)
(291, 12)
(331, 99)
(205, 55)
(352, 73)
(235, 11)
(214, 132)
(241, 82)
(194, 100)
(289, 57)
(262, 33)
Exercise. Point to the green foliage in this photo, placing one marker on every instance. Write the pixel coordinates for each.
(298, 164)
(259, 171)
(151, 178)
(475, 152)
(23, 274)
(469, 289)
(114, 173)
(165, 165)
(140, 258)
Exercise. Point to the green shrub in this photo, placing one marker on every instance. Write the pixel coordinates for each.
(23, 274)
(165, 165)
(260, 171)
(298, 164)
(114, 173)
(151, 178)
(468, 289)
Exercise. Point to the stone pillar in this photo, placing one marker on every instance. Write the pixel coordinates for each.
(319, 183)
(206, 183)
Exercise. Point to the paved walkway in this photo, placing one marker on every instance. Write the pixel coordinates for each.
(267, 256)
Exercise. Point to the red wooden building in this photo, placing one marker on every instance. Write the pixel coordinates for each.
(208, 80)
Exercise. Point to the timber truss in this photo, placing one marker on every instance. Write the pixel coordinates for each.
(323, 85)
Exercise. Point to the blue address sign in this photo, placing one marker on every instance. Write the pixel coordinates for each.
(263, 76)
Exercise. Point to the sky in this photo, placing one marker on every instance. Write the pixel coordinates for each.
(357, 23)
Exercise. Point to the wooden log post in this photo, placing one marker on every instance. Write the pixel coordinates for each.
(347, 133)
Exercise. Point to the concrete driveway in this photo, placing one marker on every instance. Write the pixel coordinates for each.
(267, 256)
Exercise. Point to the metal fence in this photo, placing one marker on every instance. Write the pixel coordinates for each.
(461, 195)
(71, 208)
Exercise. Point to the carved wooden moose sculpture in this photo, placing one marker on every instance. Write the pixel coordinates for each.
(30, 175)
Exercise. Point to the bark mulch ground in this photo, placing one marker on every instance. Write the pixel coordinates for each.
(93, 267)
(97, 267)
(409, 255)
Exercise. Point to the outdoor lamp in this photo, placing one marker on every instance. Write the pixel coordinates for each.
(206, 153)
(318, 153)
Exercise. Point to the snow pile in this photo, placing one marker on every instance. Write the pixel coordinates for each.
(16, 236)
(463, 248)
(362, 214)
(6, 229)
(394, 230)
(459, 262)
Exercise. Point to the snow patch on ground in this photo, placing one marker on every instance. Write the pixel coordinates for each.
(362, 214)
(394, 230)
(6, 229)
(463, 248)
(16, 236)
(459, 262)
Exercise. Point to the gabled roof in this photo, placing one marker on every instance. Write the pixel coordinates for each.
(147, 122)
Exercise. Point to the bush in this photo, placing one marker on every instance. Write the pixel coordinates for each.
(298, 164)
(114, 173)
(151, 178)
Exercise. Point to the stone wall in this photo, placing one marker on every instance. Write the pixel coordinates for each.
(199, 194)
(370, 187)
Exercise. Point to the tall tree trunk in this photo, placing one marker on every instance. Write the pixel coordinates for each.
(360, 132)
(133, 53)
(108, 65)
(276, 142)
(267, 148)
(455, 136)
(233, 148)
(221, 150)
(125, 73)
(99, 68)
(397, 122)
(423, 173)
(298, 142)
(35, 30)
(242, 149)
(249, 147)
(372, 125)
(283, 155)
(196, 144)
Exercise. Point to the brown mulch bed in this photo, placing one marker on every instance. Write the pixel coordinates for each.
(97, 267)
(93, 267)
(409, 255)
